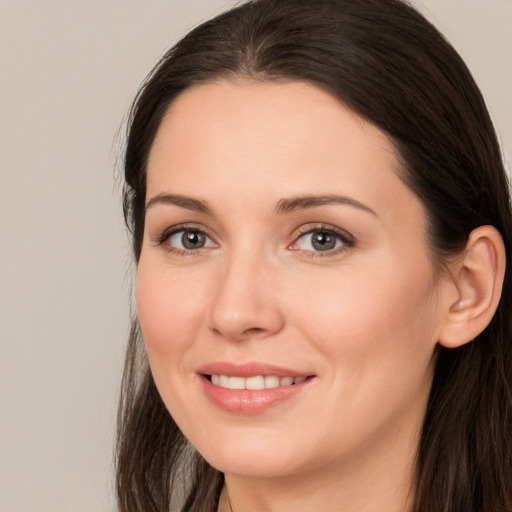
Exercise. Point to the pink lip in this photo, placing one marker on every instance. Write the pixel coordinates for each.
(249, 402)
(249, 370)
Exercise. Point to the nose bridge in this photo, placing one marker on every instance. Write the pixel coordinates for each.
(244, 302)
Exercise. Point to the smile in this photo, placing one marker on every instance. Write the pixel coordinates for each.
(252, 388)
(255, 383)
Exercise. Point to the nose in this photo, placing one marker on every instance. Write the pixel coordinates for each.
(245, 304)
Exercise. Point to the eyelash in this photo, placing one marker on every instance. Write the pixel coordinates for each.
(163, 238)
(347, 240)
(342, 236)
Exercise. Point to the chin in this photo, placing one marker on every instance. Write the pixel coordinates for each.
(255, 459)
(261, 467)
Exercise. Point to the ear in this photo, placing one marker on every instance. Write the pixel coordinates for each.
(478, 278)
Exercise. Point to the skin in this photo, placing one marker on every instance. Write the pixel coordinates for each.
(363, 318)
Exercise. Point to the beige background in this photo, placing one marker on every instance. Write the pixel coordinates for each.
(69, 69)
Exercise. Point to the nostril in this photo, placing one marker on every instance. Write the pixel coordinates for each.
(245, 333)
(253, 330)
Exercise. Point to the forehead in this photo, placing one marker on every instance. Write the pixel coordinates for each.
(249, 141)
(292, 110)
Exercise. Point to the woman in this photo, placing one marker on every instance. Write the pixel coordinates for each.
(321, 222)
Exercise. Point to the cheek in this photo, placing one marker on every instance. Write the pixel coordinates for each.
(379, 337)
(171, 314)
(386, 318)
(169, 309)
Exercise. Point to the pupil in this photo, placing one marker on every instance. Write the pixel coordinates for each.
(323, 241)
(193, 240)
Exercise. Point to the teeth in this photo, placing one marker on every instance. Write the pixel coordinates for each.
(286, 381)
(271, 382)
(255, 383)
(236, 383)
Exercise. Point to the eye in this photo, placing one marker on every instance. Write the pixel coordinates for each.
(322, 240)
(186, 240)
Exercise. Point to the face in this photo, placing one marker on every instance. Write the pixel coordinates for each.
(285, 291)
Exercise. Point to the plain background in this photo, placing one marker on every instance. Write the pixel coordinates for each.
(69, 69)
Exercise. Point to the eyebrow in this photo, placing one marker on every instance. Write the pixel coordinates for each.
(282, 207)
(189, 203)
(305, 202)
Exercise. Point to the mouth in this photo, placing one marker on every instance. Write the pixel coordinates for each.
(254, 383)
(252, 388)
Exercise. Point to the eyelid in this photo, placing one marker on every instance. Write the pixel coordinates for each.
(168, 232)
(348, 240)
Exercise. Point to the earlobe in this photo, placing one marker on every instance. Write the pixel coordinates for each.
(478, 278)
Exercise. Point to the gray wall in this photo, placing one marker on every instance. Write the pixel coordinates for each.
(68, 72)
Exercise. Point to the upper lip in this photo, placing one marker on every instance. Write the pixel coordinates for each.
(250, 369)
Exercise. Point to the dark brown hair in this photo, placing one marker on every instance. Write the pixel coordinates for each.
(384, 61)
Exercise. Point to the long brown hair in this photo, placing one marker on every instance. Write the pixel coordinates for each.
(388, 64)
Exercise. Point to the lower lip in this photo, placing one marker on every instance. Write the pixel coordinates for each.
(244, 401)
